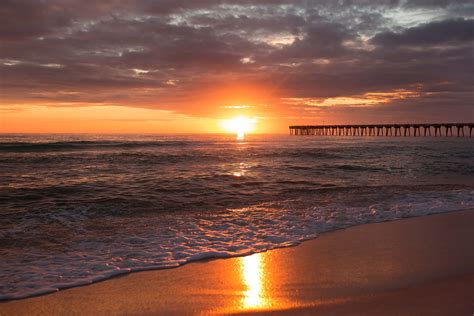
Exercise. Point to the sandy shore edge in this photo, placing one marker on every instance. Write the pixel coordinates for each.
(422, 264)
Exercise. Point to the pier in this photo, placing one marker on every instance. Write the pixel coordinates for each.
(445, 129)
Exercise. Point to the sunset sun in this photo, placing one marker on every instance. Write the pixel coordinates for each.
(239, 125)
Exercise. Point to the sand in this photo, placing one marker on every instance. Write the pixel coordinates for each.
(422, 265)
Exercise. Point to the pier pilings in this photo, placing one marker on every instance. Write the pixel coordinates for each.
(378, 130)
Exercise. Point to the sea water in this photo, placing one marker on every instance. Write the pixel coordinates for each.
(75, 209)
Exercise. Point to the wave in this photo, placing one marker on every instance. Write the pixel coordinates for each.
(357, 167)
(90, 249)
(82, 145)
(325, 153)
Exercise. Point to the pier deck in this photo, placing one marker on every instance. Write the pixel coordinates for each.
(384, 130)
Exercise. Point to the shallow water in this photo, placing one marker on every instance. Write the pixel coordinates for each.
(80, 208)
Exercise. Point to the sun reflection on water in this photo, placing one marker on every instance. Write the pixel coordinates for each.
(241, 170)
(240, 136)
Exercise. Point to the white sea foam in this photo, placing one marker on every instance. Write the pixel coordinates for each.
(169, 240)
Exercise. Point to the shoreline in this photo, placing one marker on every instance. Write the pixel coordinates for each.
(122, 273)
(231, 271)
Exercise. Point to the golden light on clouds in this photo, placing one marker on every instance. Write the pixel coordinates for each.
(367, 99)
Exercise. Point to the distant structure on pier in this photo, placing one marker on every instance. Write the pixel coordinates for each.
(383, 129)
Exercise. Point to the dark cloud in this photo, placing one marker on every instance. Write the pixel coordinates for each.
(25, 19)
(320, 40)
(166, 53)
(435, 3)
(435, 33)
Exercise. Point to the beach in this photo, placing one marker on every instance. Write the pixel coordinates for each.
(421, 265)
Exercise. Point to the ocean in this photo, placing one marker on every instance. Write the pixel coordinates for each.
(76, 209)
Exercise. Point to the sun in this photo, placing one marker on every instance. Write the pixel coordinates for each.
(239, 125)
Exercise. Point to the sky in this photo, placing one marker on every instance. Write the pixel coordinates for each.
(176, 66)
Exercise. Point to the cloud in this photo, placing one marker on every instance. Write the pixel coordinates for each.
(447, 32)
(200, 57)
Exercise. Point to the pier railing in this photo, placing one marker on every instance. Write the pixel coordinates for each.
(384, 129)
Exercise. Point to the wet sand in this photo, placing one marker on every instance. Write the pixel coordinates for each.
(422, 265)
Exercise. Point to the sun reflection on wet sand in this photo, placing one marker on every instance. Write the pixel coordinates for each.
(253, 284)
(253, 275)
